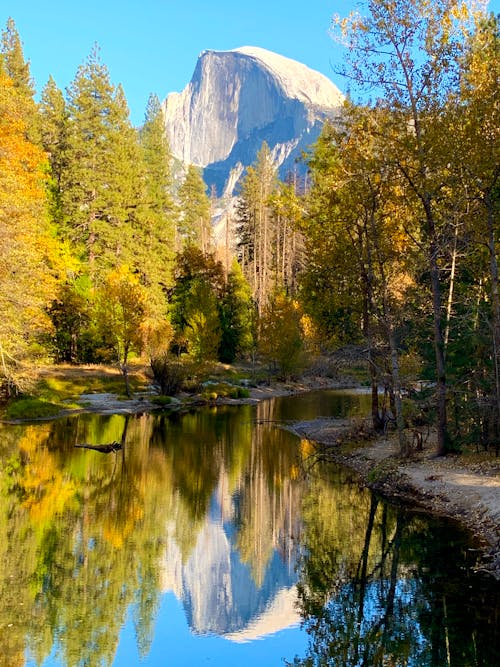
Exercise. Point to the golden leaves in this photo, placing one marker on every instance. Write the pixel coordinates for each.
(48, 490)
(26, 244)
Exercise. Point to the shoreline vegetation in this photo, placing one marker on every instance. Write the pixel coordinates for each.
(464, 488)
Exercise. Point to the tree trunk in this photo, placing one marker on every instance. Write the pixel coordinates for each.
(495, 305)
(451, 288)
(124, 370)
(441, 423)
(396, 381)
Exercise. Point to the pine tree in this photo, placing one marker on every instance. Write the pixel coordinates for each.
(54, 128)
(155, 251)
(194, 222)
(100, 185)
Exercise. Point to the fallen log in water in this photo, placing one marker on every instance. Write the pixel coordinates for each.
(104, 449)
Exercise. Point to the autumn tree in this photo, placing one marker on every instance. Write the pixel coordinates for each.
(198, 288)
(122, 315)
(477, 127)
(18, 69)
(281, 341)
(28, 250)
(408, 53)
(237, 316)
(352, 203)
(327, 280)
(287, 212)
(202, 328)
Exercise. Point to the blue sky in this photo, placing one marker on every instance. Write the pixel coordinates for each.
(152, 45)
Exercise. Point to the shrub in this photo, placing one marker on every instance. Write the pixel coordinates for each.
(162, 400)
(170, 374)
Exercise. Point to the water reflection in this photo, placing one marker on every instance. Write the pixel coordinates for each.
(404, 595)
(213, 508)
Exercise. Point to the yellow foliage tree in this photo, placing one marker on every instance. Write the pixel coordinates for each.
(281, 337)
(123, 313)
(27, 247)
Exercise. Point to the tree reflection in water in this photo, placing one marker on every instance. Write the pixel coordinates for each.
(396, 598)
(86, 540)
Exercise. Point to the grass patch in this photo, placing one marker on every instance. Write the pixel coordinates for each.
(60, 388)
(161, 400)
(31, 408)
(67, 387)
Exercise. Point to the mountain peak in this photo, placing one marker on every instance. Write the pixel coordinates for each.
(298, 80)
(239, 98)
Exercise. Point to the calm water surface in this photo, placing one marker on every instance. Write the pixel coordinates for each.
(203, 542)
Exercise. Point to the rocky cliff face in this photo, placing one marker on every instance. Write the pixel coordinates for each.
(238, 99)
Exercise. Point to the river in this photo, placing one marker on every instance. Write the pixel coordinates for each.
(210, 539)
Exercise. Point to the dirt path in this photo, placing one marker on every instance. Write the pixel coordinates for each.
(464, 490)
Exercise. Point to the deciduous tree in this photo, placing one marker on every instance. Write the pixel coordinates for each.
(408, 53)
(28, 249)
(122, 315)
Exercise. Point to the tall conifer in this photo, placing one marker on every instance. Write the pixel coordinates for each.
(256, 229)
(99, 189)
(54, 127)
(157, 244)
(194, 224)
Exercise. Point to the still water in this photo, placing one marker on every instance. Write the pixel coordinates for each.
(203, 542)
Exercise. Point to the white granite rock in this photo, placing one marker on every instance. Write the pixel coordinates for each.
(236, 100)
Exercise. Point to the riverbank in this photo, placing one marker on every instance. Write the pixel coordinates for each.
(464, 488)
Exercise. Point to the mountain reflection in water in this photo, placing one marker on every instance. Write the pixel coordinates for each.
(214, 509)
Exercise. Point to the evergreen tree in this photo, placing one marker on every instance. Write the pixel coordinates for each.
(54, 128)
(157, 244)
(237, 317)
(100, 185)
(75, 338)
(194, 222)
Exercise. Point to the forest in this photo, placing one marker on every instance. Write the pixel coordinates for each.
(385, 253)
